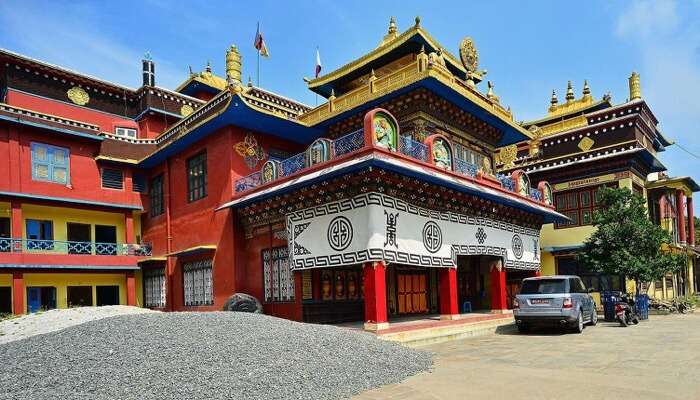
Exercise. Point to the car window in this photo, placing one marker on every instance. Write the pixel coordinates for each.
(581, 286)
(543, 286)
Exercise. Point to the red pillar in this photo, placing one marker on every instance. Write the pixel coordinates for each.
(18, 293)
(680, 197)
(16, 220)
(374, 275)
(498, 287)
(129, 227)
(691, 222)
(130, 289)
(449, 309)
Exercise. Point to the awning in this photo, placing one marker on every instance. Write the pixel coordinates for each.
(194, 250)
(71, 267)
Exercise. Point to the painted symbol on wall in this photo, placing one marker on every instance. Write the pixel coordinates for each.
(481, 235)
(390, 238)
(298, 249)
(517, 247)
(250, 150)
(339, 233)
(432, 236)
(536, 249)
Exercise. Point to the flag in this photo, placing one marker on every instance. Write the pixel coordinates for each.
(318, 63)
(259, 43)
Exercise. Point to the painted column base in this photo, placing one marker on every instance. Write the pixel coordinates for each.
(376, 326)
(449, 317)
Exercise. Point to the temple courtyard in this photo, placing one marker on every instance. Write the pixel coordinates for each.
(658, 359)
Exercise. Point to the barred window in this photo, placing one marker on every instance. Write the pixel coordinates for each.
(112, 178)
(197, 281)
(197, 177)
(50, 163)
(156, 196)
(154, 287)
(277, 275)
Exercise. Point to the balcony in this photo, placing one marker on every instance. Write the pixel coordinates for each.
(34, 246)
(354, 143)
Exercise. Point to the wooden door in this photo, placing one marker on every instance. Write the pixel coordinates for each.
(412, 293)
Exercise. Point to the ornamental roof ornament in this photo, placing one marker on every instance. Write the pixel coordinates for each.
(468, 54)
(570, 92)
(392, 33)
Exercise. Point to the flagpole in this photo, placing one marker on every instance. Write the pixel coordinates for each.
(258, 68)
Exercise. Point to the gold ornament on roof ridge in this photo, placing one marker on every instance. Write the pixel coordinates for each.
(186, 110)
(507, 155)
(468, 54)
(78, 96)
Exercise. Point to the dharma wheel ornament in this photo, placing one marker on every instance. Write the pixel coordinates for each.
(468, 54)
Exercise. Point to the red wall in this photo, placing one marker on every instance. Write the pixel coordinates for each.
(85, 181)
(104, 120)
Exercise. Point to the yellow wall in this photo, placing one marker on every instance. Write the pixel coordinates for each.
(5, 210)
(61, 216)
(62, 281)
(137, 225)
(551, 237)
(5, 279)
(548, 264)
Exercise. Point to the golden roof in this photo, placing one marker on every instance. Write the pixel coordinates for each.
(205, 77)
(390, 42)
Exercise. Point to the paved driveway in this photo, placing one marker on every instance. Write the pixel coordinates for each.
(657, 359)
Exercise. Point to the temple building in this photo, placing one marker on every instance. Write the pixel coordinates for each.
(396, 196)
(583, 144)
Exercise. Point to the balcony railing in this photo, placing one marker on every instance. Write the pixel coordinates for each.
(355, 141)
(28, 246)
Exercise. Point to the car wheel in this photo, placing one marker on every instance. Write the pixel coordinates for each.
(594, 317)
(579, 323)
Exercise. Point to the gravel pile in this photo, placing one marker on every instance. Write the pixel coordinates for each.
(216, 355)
(55, 320)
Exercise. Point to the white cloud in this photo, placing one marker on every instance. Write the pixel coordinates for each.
(646, 18)
(71, 41)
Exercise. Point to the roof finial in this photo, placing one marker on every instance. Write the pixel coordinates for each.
(635, 87)
(392, 26)
(417, 21)
(233, 66)
(586, 88)
(147, 56)
(208, 69)
(570, 92)
(490, 94)
(554, 100)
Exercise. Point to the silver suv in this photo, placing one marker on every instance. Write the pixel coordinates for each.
(560, 300)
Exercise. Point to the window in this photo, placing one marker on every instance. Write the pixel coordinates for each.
(278, 278)
(5, 231)
(154, 287)
(138, 183)
(156, 196)
(50, 163)
(112, 178)
(568, 265)
(197, 281)
(470, 155)
(39, 234)
(578, 205)
(544, 286)
(197, 177)
(125, 132)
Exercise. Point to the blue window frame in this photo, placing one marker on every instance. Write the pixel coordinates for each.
(50, 163)
(39, 234)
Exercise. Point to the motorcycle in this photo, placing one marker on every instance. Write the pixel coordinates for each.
(626, 310)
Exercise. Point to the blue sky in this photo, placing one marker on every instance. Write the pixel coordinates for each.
(529, 48)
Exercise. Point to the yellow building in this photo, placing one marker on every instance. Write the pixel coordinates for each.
(583, 144)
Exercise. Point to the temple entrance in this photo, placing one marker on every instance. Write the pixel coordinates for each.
(411, 290)
(473, 290)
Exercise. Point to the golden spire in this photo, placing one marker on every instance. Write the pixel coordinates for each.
(586, 88)
(233, 66)
(208, 68)
(554, 100)
(392, 33)
(570, 92)
(635, 87)
(418, 21)
(490, 94)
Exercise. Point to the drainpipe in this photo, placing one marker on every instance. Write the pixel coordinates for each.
(168, 246)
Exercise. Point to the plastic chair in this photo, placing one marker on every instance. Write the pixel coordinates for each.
(467, 307)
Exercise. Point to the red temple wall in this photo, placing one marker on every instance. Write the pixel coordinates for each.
(85, 180)
(105, 121)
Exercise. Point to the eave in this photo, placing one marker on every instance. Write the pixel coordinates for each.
(682, 182)
(382, 159)
(69, 200)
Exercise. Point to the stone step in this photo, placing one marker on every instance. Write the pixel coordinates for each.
(438, 334)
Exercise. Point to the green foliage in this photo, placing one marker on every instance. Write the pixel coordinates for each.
(696, 222)
(626, 242)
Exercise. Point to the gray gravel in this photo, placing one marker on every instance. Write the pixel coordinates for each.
(215, 355)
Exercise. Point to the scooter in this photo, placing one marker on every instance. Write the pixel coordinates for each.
(626, 310)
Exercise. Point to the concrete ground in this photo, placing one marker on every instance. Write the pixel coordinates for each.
(657, 359)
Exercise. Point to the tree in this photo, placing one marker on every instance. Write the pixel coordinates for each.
(626, 242)
(696, 222)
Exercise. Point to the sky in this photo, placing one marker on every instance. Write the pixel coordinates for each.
(528, 48)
